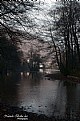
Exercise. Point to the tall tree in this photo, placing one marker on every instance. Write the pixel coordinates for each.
(67, 18)
(13, 15)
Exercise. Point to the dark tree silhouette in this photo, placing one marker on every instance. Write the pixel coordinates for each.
(11, 16)
(66, 35)
(9, 57)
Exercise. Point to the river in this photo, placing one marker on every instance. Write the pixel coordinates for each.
(39, 94)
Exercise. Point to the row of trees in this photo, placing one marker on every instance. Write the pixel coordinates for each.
(63, 29)
(11, 13)
(65, 35)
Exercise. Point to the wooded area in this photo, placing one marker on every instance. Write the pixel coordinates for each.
(64, 33)
(67, 36)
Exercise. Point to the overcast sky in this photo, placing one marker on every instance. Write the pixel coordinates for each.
(40, 15)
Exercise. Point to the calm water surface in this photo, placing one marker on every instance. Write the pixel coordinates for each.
(42, 95)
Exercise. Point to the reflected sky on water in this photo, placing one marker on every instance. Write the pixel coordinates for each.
(42, 95)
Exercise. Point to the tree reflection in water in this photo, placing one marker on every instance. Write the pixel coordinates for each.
(42, 96)
(73, 100)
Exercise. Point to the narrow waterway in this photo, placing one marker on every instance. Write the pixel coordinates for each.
(42, 95)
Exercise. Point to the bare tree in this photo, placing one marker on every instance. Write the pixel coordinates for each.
(66, 34)
(13, 14)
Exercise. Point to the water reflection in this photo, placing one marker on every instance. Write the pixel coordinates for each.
(8, 90)
(42, 96)
(60, 103)
(37, 94)
(73, 100)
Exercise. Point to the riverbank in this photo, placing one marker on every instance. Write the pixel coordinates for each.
(8, 113)
(59, 76)
(11, 113)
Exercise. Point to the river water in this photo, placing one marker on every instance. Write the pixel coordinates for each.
(42, 95)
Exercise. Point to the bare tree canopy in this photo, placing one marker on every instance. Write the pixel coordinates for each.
(66, 35)
(14, 13)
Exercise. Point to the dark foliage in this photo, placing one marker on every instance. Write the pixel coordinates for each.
(9, 56)
(67, 19)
